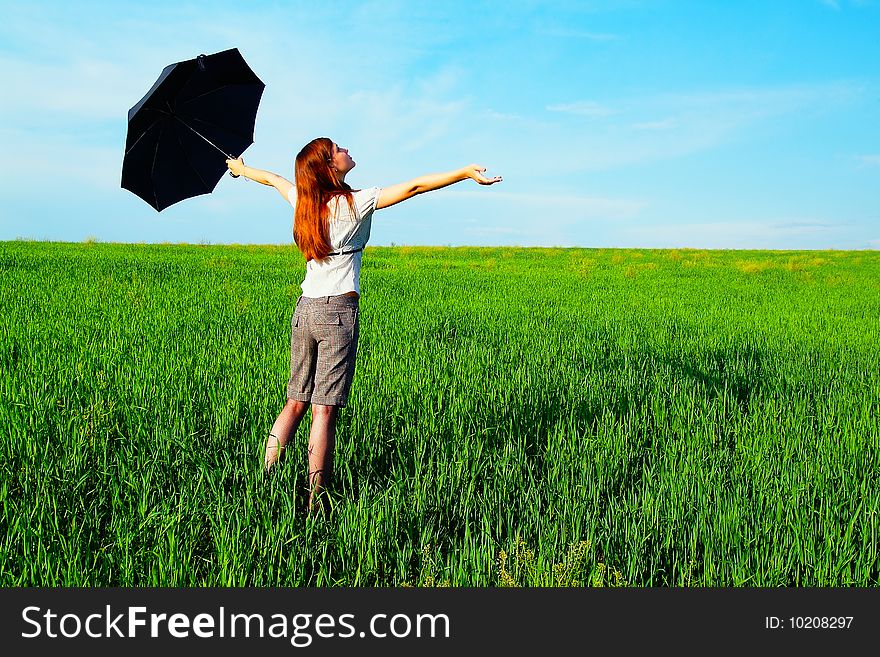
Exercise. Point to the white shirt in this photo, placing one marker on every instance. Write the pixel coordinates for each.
(339, 274)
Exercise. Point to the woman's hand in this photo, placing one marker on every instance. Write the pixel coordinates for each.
(236, 167)
(476, 172)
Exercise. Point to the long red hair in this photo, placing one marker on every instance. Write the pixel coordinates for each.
(316, 184)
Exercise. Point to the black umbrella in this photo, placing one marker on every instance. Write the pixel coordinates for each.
(199, 113)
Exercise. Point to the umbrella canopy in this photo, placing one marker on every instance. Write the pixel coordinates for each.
(198, 113)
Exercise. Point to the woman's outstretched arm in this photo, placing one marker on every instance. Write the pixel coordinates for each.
(402, 191)
(238, 168)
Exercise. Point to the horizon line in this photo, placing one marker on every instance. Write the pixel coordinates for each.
(204, 243)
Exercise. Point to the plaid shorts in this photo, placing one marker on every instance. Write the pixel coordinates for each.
(323, 347)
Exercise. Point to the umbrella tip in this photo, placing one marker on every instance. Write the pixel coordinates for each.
(201, 62)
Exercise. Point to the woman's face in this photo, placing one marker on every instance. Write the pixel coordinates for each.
(342, 161)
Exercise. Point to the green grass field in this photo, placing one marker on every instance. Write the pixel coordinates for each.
(525, 417)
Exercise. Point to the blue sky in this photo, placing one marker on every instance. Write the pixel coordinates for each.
(614, 123)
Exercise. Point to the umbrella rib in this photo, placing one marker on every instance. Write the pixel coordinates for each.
(222, 127)
(225, 154)
(189, 161)
(215, 89)
(153, 167)
(143, 134)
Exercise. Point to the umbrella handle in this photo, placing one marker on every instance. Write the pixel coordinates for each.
(228, 157)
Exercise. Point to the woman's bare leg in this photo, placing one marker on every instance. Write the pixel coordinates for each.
(322, 439)
(284, 429)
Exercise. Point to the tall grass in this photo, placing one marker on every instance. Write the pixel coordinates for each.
(519, 417)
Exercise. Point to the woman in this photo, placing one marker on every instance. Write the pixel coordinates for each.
(331, 227)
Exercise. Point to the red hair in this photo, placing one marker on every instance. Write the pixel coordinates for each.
(316, 184)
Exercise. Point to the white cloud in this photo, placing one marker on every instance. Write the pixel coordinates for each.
(495, 230)
(771, 234)
(495, 216)
(81, 88)
(582, 108)
(66, 160)
(582, 206)
(571, 33)
(868, 160)
(541, 218)
(412, 121)
(664, 124)
(501, 116)
(694, 122)
(836, 5)
(800, 227)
